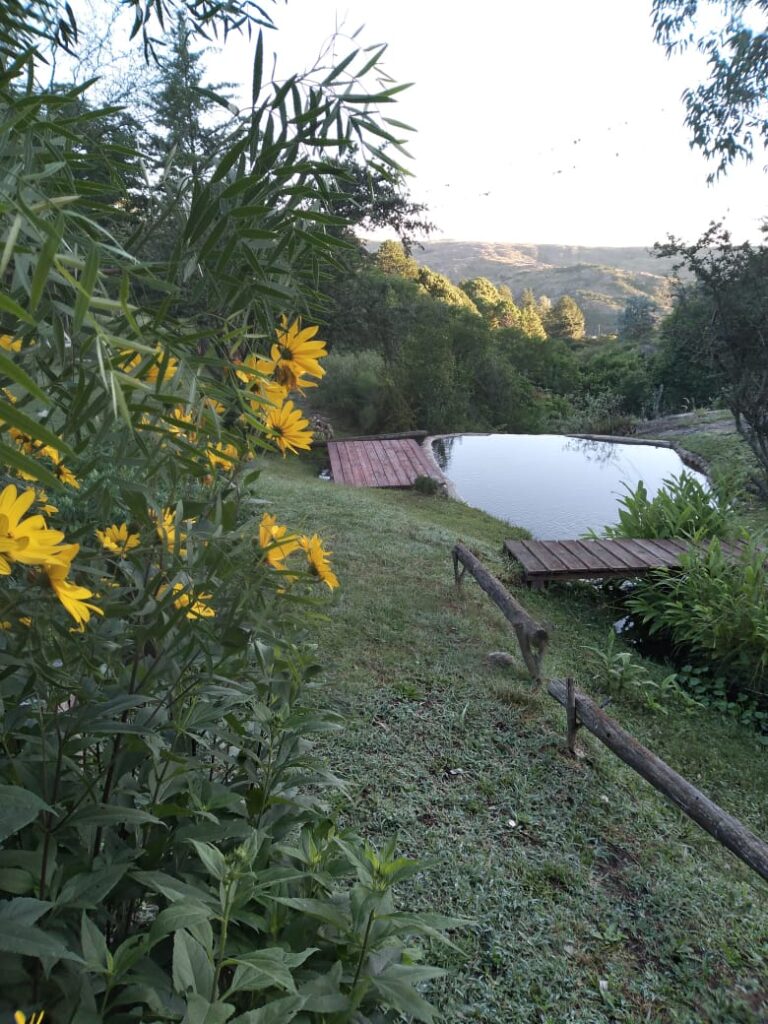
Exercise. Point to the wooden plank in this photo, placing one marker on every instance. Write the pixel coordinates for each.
(422, 461)
(636, 553)
(713, 819)
(519, 551)
(348, 475)
(406, 467)
(541, 549)
(388, 476)
(350, 466)
(662, 555)
(588, 554)
(613, 558)
(336, 470)
(391, 454)
(367, 466)
(569, 557)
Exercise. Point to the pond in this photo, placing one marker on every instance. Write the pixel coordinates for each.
(555, 486)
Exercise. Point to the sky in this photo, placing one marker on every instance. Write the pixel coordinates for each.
(549, 121)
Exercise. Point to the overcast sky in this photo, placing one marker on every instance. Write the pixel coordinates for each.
(546, 121)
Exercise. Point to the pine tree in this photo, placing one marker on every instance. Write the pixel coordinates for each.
(565, 320)
(181, 110)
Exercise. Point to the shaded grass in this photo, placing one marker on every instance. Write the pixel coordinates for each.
(593, 899)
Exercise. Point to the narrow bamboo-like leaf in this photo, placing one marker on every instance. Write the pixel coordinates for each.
(24, 463)
(13, 415)
(258, 68)
(85, 287)
(43, 267)
(8, 368)
(10, 242)
(7, 304)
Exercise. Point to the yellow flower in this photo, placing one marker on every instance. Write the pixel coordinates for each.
(217, 406)
(277, 546)
(118, 539)
(166, 531)
(289, 429)
(223, 455)
(318, 560)
(28, 541)
(294, 356)
(183, 419)
(45, 506)
(21, 1018)
(9, 343)
(73, 597)
(65, 475)
(196, 607)
(152, 372)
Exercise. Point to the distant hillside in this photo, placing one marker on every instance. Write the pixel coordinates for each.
(601, 279)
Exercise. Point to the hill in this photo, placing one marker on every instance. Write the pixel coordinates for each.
(600, 279)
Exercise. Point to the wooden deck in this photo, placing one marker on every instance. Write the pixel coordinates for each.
(547, 560)
(380, 462)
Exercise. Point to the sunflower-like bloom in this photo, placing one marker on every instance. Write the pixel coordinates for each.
(183, 420)
(288, 428)
(294, 357)
(153, 371)
(9, 343)
(166, 531)
(118, 540)
(45, 506)
(223, 455)
(73, 597)
(317, 557)
(21, 1018)
(196, 607)
(276, 541)
(28, 541)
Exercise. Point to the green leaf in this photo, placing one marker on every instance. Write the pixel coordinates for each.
(27, 940)
(264, 968)
(200, 1011)
(192, 968)
(89, 888)
(178, 916)
(111, 814)
(12, 370)
(396, 986)
(9, 306)
(94, 945)
(11, 414)
(213, 860)
(18, 807)
(85, 285)
(278, 1012)
(23, 910)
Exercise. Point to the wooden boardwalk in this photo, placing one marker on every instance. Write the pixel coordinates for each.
(380, 462)
(547, 560)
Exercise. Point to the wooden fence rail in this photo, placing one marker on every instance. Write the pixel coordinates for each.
(713, 819)
(532, 637)
(581, 710)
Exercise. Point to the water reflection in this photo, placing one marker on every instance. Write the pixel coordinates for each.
(557, 487)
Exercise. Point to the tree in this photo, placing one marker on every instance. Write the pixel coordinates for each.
(391, 258)
(727, 113)
(565, 320)
(638, 319)
(181, 104)
(680, 367)
(370, 198)
(734, 279)
(530, 323)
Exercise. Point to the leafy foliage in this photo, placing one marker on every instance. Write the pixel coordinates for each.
(166, 847)
(683, 507)
(727, 113)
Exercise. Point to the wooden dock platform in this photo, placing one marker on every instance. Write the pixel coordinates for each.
(546, 560)
(380, 462)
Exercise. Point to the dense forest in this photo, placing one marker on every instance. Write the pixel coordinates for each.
(412, 349)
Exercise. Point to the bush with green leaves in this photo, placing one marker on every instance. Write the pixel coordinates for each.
(714, 610)
(166, 851)
(682, 508)
(356, 390)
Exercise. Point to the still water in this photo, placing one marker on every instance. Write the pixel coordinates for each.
(557, 487)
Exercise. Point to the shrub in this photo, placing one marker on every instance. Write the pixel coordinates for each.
(355, 389)
(715, 610)
(682, 507)
(165, 846)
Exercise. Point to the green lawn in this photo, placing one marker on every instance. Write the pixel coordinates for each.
(593, 900)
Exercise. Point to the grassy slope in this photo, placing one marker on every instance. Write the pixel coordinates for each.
(600, 881)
